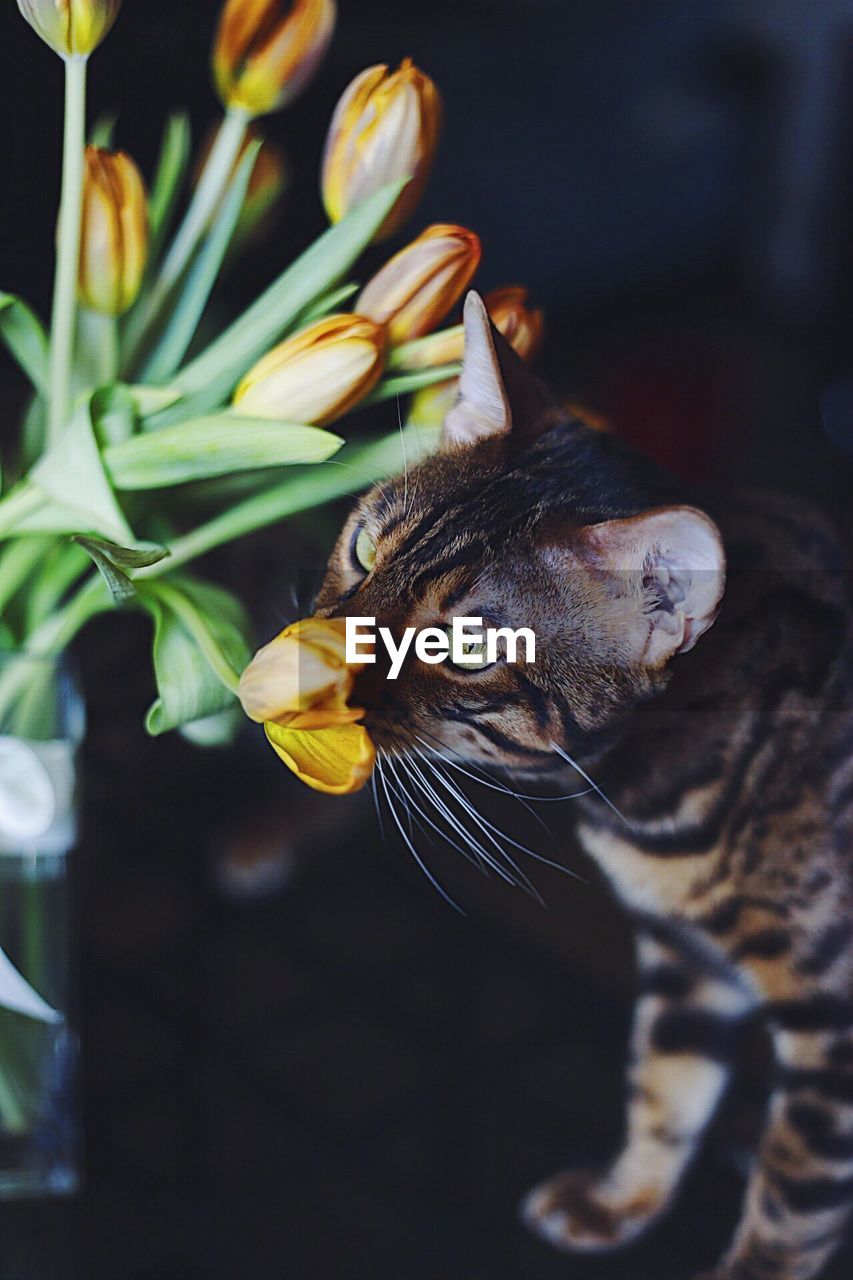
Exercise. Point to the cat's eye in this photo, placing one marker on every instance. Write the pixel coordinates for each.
(364, 550)
(474, 651)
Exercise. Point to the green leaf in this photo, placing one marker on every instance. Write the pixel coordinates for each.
(102, 131)
(150, 400)
(325, 306)
(168, 181)
(120, 586)
(214, 446)
(405, 383)
(200, 646)
(72, 474)
(195, 291)
(218, 730)
(24, 335)
(209, 379)
(112, 560)
(360, 466)
(114, 414)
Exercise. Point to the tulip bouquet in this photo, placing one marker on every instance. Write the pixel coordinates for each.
(151, 438)
(138, 409)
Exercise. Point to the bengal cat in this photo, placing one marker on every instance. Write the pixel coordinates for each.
(727, 769)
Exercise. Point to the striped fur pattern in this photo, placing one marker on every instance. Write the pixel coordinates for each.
(728, 769)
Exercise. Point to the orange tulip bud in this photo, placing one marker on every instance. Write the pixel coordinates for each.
(266, 51)
(415, 290)
(317, 375)
(522, 325)
(385, 127)
(298, 687)
(72, 28)
(114, 239)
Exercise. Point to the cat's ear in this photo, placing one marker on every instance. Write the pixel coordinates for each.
(498, 395)
(667, 568)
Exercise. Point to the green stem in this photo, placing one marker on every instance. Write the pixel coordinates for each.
(20, 502)
(52, 637)
(19, 560)
(57, 574)
(68, 255)
(57, 632)
(208, 194)
(98, 342)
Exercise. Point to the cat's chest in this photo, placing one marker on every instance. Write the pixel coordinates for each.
(642, 879)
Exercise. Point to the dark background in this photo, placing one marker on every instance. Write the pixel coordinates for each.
(298, 1059)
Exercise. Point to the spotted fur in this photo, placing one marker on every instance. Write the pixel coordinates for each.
(728, 769)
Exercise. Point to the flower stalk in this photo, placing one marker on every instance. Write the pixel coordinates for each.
(70, 222)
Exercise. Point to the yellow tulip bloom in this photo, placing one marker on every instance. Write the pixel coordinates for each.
(385, 127)
(114, 238)
(416, 288)
(72, 28)
(298, 686)
(266, 51)
(337, 760)
(317, 375)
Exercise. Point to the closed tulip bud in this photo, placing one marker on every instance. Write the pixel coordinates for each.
(523, 326)
(114, 240)
(266, 51)
(414, 291)
(385, 127)
(72, 28)
(318, 374)
(270, 179)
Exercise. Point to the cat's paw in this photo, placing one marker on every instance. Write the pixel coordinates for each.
(588, 1213)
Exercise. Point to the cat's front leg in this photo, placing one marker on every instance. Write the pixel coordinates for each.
(800, 1192)
(683, 1042)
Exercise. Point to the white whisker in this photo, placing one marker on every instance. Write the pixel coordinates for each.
(482, 858)
(488, 780)
(489, 830)
(410, 845)
(564, 755)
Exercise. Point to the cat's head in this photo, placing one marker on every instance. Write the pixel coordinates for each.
(526, 518)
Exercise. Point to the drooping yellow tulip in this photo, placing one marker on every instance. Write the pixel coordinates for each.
(385, 127)
(266, 51)
(416, 288)
(72, 28)
(317, 375)
(337, 760)
(114, 238)
(301, 678)
(298, 686)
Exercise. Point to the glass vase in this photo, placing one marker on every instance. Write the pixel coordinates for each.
(41, 727)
